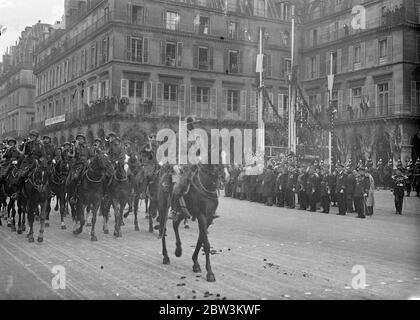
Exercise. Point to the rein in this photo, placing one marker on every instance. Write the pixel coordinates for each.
(32, 182)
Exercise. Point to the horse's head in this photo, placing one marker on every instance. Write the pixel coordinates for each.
(40, 177)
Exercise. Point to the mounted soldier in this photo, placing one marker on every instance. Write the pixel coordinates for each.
(33, 152)
(50, 150)
(11, 157)
(115, 150)
(81, 153)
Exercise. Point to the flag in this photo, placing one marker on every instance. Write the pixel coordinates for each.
(259, 67)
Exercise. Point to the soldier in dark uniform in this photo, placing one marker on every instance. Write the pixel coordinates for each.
(388, 174)
(66, 151)
(409, 172)
(381, 173)
(350, 183)
(398, 189)
(115, 151)
(301, 188)
(50, 150)
(361, 190)
(81, 153)
(32, 151)
(11, 157)
(291, 187)
(341, 190)
(269, 185)
(325, 191)
(416, 177)
(312, 188)
(281, 186)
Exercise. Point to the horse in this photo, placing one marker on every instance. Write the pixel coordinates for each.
(10, 189)
(36, 193)
(117, 194)
(200, 200)
(89, 194)
(151, 175)
(138, 188)
(57, 181)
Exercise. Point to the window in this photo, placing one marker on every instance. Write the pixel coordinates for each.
(204, 25)
(233, 61)
(203, 95)
(334, 63)
(356, 55)
(233, 30)
(383, 99)
(335, 31)
(312, 101)
(288, 66)
(135, 89)
(314, 37)
(415, 87)
(93, 56)
(383, 48)
(259, 8)
(172, 20)
(356, 100)
(203, 58)
(233, 101)
(137, 15)
(384, 13)
(313, 67)
(137, 49)
(170, 92)
(105, 49)
(170, 56)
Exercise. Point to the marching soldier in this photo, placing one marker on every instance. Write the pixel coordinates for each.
(398, 189)
(341, 190)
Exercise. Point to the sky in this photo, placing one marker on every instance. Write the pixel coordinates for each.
(18, 14)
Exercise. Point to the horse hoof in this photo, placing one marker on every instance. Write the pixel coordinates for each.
(40, 239)
(93, 238)
(13, 229)
(116, 234)
(106, 231)
(77, 231)
(196, 268)
(136, 228)
(63, 227)
(178, 252)
(210, 277)
(166, 260)
(47, 224)
(31, 239)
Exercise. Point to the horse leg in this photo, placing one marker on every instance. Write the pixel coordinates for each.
(146, 203)
(94, 213)
(9, 209)
(178, 250)
(47, 212)
(43, 214)
(89, 216)
(13, 220)
(57, 198)
(61, 198)
(80, 211)
(31, 218)
(136, 208)
(20, 218)
(202, 225)
(117, 226)
(104, 212)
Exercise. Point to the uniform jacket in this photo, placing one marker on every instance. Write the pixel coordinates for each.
(269, 182)
(350, 183)
(399, 184)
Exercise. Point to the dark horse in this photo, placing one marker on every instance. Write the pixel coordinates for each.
(10, 189)
(200, 200)
(138, 186)
(117, 194)
(57, 181)
(89, 193)
(36, 193)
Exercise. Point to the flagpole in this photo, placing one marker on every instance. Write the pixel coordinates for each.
(329, 102)
(292, 122)
(261, 137)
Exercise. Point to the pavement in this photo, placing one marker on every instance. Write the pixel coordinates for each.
(258, 252)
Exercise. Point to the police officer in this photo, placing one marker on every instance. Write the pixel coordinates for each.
(398, 189)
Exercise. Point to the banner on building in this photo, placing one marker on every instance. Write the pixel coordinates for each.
(55, 120)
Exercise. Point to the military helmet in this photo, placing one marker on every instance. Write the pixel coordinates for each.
(80, 135)
(46, 136)
(67, 143)
(11, 139)
(112, 134)
(97, 140)
(34, 133)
